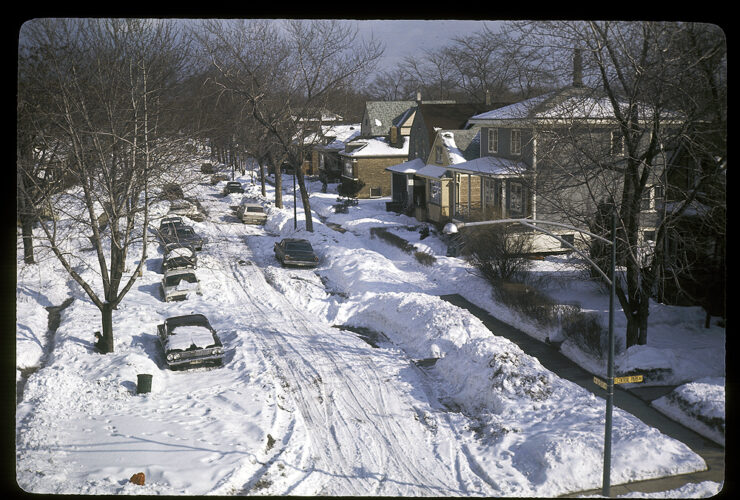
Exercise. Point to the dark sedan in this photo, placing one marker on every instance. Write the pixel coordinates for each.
(189, 340)
(296, 252)
(184, 235)
(232, 187)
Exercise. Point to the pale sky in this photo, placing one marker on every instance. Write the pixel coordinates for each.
(408, 37)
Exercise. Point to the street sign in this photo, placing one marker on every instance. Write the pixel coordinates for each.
(632, 379)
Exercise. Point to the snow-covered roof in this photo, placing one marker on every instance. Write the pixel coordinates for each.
(407, 167)
(491, 166)
(377, 146)
(432, 172)
(569, 103)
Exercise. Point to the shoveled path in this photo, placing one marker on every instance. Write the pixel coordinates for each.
(633, 400)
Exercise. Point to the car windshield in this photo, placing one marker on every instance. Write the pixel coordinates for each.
(298, 246)
(177, 278)
(179, 261)
(255, 209)
(184, 232)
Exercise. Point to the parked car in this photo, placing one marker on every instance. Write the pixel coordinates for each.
(183, 235)
(170, 219)
(186, 208)
(232, 187)
(179, 284)
(251, 213)
(296, 252)
(189, 340)
(178, 256)
(207, 168)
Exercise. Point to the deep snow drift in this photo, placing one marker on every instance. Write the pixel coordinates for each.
(435, 405)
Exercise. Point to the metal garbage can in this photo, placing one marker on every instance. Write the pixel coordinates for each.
(143, 383)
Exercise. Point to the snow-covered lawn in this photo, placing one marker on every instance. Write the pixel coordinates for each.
(436, 405)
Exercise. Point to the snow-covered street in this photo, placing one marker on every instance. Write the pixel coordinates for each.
(303, 405)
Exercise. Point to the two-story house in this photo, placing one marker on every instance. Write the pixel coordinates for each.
(407, 190)
(383, 142)
(538, 160)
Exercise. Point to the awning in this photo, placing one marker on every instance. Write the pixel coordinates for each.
(491, 166)
(407, 167)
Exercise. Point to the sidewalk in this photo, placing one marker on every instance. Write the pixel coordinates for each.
(634, 400)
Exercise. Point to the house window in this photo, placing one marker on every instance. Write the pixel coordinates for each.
(348, 170)
(516, 198)
(493, 140)
(376, 192)
(516, 142)
(567, 238)
(616, 143)
(435, 192)
(490, 192)
(652, 198)
(438, 154)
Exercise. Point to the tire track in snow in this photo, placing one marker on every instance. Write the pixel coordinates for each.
(366, 403)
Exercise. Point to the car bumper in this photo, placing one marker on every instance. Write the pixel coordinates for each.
(195, 360)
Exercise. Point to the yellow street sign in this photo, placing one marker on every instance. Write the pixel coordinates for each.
(632, 379)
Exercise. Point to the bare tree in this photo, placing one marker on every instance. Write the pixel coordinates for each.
(102, 98)
(286, 73)
(637, 70)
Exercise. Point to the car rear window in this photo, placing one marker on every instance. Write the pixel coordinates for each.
(255, 209)
(299, 247)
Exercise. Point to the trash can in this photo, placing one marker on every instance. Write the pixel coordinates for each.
(143, 383)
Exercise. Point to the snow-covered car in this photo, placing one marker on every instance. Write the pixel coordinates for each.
(178, 256)
(179, 284)
(189, 340)
(171, 219)
(183, 235)
(186, 208)
(296, 252)
(232, 187)
(251, 213)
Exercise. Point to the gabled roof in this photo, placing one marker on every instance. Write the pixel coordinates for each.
(461, 145)
(384, 114)
(452, 116)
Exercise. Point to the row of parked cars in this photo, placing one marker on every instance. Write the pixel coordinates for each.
(190, 340)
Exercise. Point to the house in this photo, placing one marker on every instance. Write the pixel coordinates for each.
(325, 152)
(433, 116)
(534, 157)
(383, 142)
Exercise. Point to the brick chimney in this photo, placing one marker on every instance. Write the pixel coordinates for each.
(577, 68)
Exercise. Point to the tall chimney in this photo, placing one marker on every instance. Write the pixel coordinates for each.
(577, 68)
(488, 97)
(418, 96)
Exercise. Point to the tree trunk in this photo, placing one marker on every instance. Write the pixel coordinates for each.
(27, 232)
(304, 198)
(107, 319)
(278, 181)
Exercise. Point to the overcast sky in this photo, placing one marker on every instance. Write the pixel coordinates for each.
(408, 37)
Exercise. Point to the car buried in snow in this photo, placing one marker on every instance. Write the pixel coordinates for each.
(251, 213)
(186, 208)
(170, 219)
(188, 341)
(295, 252)
(178, 256)
(179, 284)
(182, 235)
